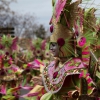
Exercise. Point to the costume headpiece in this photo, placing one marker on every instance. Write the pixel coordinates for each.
(64, 15)
(60, 31)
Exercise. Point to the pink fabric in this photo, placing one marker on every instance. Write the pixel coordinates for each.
(14, 68)
(51, 70)
(85, 59)
(68, 67)
(29, 95)
(35, 64)
(33, 94)
(65, 68)
(85, 53)
(3, 89)
(81, 75)
(89, 80)
(26, 87)
(38, 62)
(82, 41)
(43, 44)
(14, 44)
(87, 74)
(59, 8)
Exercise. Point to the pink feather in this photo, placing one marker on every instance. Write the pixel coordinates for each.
(43, 44)
(3, 89)
(59, 8)
(14, 43)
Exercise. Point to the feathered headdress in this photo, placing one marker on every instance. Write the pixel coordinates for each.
(64, 15)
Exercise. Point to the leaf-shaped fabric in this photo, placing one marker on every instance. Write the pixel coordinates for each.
(70, 13)
(47, 96)
(59, 8)
(14, 44)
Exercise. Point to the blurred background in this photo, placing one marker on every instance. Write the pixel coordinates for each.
(30, 18)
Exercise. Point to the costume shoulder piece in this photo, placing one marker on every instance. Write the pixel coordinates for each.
(54, 79)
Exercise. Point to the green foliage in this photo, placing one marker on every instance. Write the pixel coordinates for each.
(6, 41)
(47, 96)
(90, 38)
(89, 19)
(37, 43)
(40, 32)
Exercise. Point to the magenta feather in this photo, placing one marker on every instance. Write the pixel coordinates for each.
(14, 44)
(59, 8)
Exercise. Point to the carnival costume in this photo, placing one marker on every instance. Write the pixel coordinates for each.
(72, 79)
(72, 75)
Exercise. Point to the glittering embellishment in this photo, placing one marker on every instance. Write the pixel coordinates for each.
(54, 79)
(55, 74)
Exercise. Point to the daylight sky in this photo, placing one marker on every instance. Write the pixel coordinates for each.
(42, 9)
